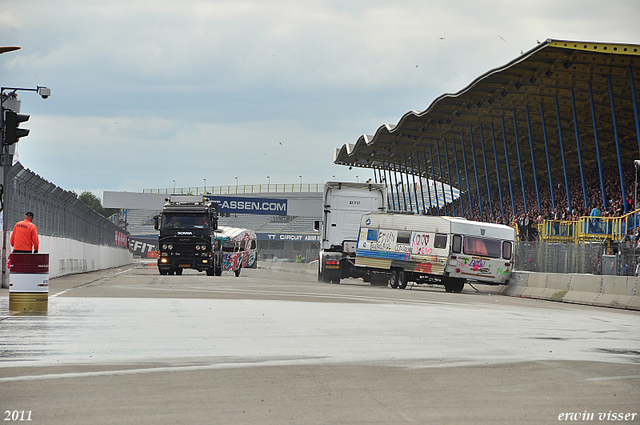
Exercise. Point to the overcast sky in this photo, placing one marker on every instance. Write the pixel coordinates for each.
(147, 92)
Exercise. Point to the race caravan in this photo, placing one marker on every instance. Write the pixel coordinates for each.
(400, 248)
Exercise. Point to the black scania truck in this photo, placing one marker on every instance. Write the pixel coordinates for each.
(187, 228)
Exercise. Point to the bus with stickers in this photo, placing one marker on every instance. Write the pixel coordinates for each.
(398, 248)
(239, 248)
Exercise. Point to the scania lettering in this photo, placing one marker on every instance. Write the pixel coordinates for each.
(343, 205)
(187, 228)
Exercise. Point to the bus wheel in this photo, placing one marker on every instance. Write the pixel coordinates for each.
(379, 279)
(457, 287)
(454, 286)
(393, 280)
(402, 279)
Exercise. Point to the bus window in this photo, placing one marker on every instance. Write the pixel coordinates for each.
(253, 244)
(482, 247)
(440, 241)
(507, 249)
(456, 244)
(404, 237)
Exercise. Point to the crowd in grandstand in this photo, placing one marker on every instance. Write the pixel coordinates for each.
(556, 209)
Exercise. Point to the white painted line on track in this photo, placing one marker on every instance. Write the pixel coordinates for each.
(612, 378)
(165, 369)
(86, 283)
(302, 295)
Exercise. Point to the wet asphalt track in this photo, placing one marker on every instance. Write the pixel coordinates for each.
(130, 346)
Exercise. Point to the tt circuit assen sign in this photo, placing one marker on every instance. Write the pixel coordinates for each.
(237, 205)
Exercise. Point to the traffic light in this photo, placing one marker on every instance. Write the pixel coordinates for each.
(11, 130)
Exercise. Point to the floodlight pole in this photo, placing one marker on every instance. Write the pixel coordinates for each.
(6, 165)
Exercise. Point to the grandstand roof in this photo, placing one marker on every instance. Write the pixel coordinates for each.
(525, 91)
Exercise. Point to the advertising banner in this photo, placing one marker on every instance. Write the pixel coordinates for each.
(296, 237)
(239, 205)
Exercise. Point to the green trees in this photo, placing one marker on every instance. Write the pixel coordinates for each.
(93, 202)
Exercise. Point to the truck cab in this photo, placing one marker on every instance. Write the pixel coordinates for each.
(187, 227)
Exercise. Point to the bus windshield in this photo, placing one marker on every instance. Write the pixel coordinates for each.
(181, 221)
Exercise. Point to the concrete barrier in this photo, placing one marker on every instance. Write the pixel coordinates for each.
(67, 256)
(606, 291)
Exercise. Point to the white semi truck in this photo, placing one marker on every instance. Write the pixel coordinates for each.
(343, 204)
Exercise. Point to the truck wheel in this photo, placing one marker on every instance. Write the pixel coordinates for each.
(393, 280)
(210, 272)
(237, 272)
(179, 272)
(336, 281)
(163, 272)
(402, 279)
(219, 271)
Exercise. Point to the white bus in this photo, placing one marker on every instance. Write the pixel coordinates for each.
(400, 248)
(239, 248)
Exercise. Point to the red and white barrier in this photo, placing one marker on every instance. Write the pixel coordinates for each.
(28, 282)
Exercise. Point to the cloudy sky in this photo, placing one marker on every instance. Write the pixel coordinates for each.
(148, 92)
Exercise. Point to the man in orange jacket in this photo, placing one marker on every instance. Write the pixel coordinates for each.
(24, 238)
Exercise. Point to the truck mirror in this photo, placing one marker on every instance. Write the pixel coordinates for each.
(155, 223)
(316, 225)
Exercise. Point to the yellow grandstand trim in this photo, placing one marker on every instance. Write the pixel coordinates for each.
(610, 48)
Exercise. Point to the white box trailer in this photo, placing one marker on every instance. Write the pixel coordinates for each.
(399, 248)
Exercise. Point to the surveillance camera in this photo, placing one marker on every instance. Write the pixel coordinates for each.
(44, 92)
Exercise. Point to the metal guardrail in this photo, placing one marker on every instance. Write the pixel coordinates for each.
(240, 189)
(596, 229)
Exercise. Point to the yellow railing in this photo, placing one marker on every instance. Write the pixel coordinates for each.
(588, 228)
(240, 189)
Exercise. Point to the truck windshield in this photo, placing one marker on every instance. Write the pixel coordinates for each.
(184, 221)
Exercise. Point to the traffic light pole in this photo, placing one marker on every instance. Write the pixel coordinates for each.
(6, 160)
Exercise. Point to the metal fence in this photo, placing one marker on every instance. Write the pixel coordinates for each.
(586, 257)
(57, 212)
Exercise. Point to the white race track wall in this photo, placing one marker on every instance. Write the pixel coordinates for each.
(67, 256)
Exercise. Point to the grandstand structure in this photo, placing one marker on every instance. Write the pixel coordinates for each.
(554, 130)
